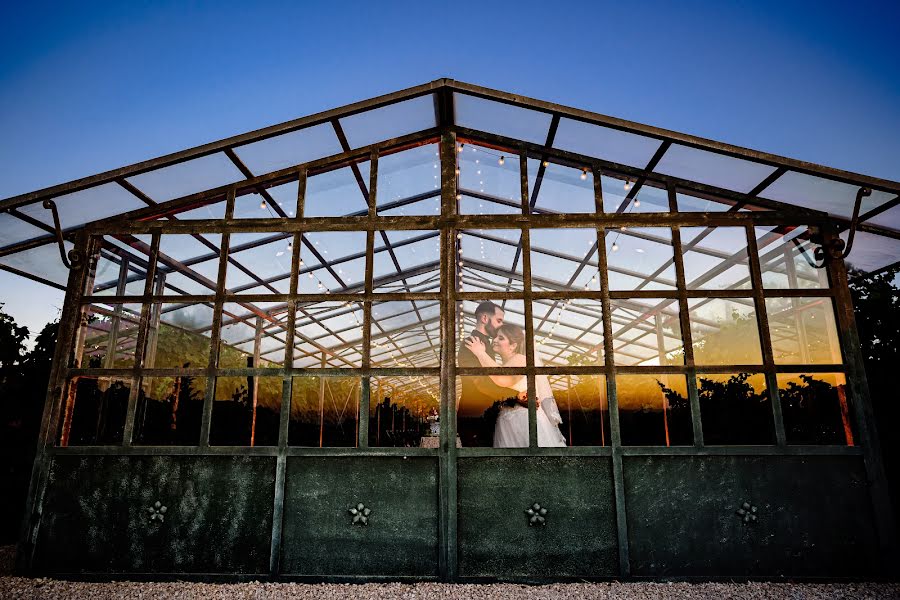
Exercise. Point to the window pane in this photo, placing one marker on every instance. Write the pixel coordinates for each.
(712, 168)
(724, 331)
(179, 336)
(246, 411)
(803, 331)
(189, 264)
(489, 181)
(500, 118)
(564, 259)
(568, 332)
(120, 268)
(694, 202)
(338, 193)
(169, 411)
(257, 206)
(105, 327)
(715, 258)
(332, 261)
(479, 403)
(640, 258)
(735, 409)
(183, 179)
(388, 122)
(488, 319)
(560, 189)
(654, 410)
(646, 332)
(409, 182)
(290, 149)
(403, 412)
(406, 261)
(648, 199)
(239, 342)
(328, 334)
(787, 259)
(489, 260)
(582, 407)
(324, 412)
(815, 408)
(606, 143)
(95, 411)
(259, 263)
(406, 334)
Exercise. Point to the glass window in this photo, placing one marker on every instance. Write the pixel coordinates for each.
(259, 263)
(488, 318)
(822, 194)
(324, 412)
(389, 122)
(409, 182)
(554, 188)
(654, 410)
(190, 177)
(489, 180)
(240, 347)
(870, 252)
(189, 264)
(14, 230)
(120, 268)
(406, 334)
(338, 193)
(92, 204)
(604, 142)
(489, 260)
(646, 332)
(479, 403)
(328, 334)
(179, 336)
(564, 259)
(169, 411)
(694, 202)
(568, 332)
(787, 259)
(619, 196)
(109, 335)
(715, 258)
(95, 411)
(332, 262)
(580, 409)
(501, 118)
(815, 408)
(255, 205)
(246, 411)
(712, 168)
(406, 261)
(290, 149)
(803, 331)
(640, 258)
(404, 412)
(724, 331)
(42, 261)
(735, 409)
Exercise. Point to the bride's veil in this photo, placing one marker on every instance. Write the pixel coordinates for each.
(545, 392)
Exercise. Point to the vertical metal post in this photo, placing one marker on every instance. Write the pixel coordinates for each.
(322, 402)
(254, 392)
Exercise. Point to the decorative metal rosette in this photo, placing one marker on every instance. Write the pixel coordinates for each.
(536, 515)
(157, 512)
(747, 513)
(360, 514)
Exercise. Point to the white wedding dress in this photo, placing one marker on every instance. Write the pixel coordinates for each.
(511, 430)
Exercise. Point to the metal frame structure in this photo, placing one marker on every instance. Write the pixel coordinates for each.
(379, 352)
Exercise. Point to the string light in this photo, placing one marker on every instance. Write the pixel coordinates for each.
(584, 174)
(460, 149)
(501, 161)
(615, 247)
(262, 205)
(546, 163)
(637, 202)
(627, 185)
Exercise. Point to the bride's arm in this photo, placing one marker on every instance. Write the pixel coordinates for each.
(477, 348)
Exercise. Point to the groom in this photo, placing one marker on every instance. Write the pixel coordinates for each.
(480, 390)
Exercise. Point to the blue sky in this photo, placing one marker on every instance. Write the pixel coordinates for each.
(86, 87)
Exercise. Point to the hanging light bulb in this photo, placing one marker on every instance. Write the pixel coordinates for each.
(615, 247)
(457, 170)
(627, 185)
(460, 149)
(637, 202)
(584, 174)
(502, 160)
(262, 205)
(546, 163)
(459, 196)
(301, 262)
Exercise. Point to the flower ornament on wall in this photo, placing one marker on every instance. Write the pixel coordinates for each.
(536, 515)
(747, 513)
(360, 514)
(157, 512)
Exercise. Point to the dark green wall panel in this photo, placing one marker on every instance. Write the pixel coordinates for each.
(218, 517)
(401, 538)
(814, 517)
(578, 539)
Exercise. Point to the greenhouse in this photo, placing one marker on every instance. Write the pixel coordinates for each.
(456, 334)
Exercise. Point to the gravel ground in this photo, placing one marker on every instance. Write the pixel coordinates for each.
(20, 587)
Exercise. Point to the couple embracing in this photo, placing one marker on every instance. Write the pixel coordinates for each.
(491, 338)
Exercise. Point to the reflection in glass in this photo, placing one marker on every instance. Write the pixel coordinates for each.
(484, 319)
(564, 259)
(815, 408)
(406, 334)
(324, 412)
(646, 331)
(557, 189)
(803, 331)
(715, 258)
(328, 334)
(724, 331)
(189, 264)
(654, 410)
(120, 268)
(95, 411)
(409, 182)
(404, 412)
(246, 411)
(105, 327)
(479, 401)
(787, 259)
(179, 336)
(252, 335)
(735, 409)
(640, 258)
(406, 261)
(489, 181)
(568, 332)
(169, 411)
(489, 260)
(338, 193)
(583, 408)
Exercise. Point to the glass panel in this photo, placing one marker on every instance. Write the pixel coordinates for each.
(564, 259)
(580, 408)
(92, 204)
(189, 264)
(500, 118)
(197, 175)
(333, 261)
(489, 260)
(259, 263)
(803, 331)
(42, 262)
(406, 334)
(406, 261)
(712, 168)
(14, 230)
(106, 326)
(693, 202)
(169, 411)
(328, 334)
(815, 408)
(724, 331)
(646, 332)
(606, 143)
(257, 206)
(787, 259)
(735, 409)
(95, 411)
(870, 252)
(290, 149)
(640, 258)
(648, 198)
(715, 258)
(388, 122)
(409, 182)
(404, 412)
(568, 332)
(560, 189)
(479, 403)
(822, 194)
(324, 412)
(215, 210)
(485, 320)
(889, 218)
(338, 193)
(489, 180)
(179, 336)
(238, 345)
(654, 410)
(246, 411)
(134, 255)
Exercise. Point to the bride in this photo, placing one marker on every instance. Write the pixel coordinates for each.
(511, 430)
